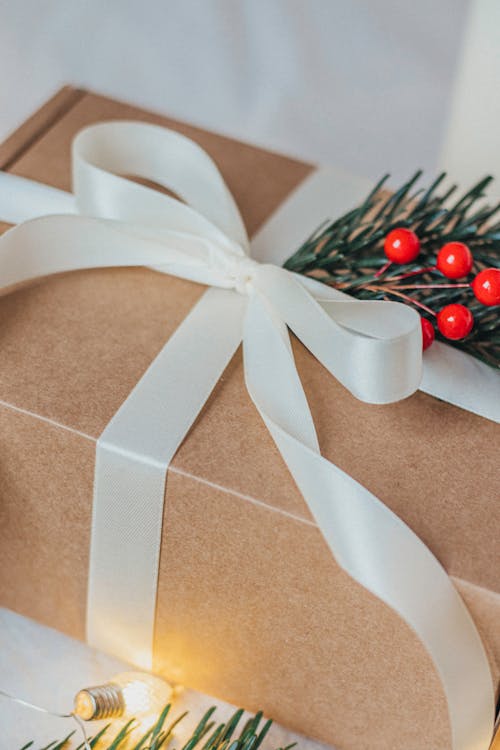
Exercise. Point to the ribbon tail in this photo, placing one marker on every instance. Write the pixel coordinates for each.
(366, 538)
(132, 457)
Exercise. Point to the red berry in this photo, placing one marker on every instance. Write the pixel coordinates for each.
(454, 260)
(427, 333)
(486, 286)
(455, 321)
(401, 245)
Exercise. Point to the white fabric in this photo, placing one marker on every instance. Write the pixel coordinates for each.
(362, 84)
(374, 348)
(471, 146)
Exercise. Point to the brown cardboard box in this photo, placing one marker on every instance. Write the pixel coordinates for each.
(251, 605)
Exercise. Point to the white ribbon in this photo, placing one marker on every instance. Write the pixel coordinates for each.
(373, 348)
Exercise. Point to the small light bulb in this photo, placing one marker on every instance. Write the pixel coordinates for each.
(130, 695)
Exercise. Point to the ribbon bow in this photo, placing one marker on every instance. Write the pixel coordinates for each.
(372, 348)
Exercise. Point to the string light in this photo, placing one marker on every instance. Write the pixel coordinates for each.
(128, 695)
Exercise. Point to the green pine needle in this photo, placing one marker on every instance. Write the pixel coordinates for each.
(348, 252)
(215, 736)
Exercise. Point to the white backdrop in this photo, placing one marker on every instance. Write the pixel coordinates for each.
(364, 84)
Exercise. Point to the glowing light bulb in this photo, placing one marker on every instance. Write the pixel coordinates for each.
(130, 695)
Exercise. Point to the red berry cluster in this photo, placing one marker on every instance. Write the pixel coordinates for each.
(454, 261)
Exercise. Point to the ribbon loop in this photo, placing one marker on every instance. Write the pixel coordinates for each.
(378, 359)
(103, 153)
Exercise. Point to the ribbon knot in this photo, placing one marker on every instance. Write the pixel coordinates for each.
(242, 274)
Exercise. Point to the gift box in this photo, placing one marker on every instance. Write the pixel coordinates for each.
(251, 605)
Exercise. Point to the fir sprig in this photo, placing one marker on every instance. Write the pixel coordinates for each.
(347, 253)
(207, 735)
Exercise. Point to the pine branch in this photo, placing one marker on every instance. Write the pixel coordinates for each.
(347, 253)
(207, 735)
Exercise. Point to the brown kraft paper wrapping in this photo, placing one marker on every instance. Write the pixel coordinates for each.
(252, 607)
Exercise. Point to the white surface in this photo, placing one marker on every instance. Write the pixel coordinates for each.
(472, 145)
(48, 668)
(360, 84)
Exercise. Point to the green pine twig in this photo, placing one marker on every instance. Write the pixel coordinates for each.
(207, 735)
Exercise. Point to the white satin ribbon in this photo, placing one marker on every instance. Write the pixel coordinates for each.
(373, 348)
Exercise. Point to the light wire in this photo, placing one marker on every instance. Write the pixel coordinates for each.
(80, 724)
